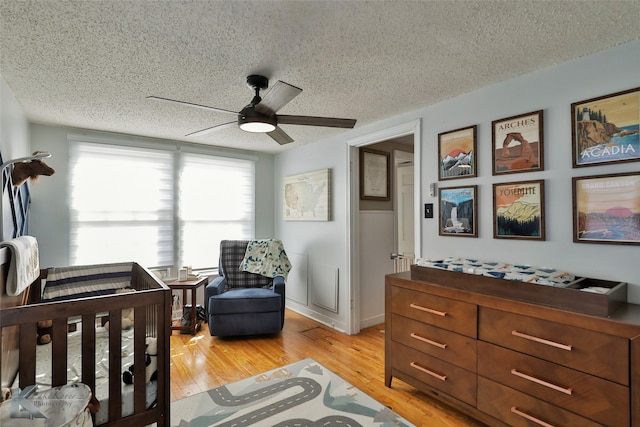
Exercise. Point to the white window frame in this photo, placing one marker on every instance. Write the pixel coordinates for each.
(210, 203)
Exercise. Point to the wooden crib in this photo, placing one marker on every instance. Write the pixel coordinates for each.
(152, 307)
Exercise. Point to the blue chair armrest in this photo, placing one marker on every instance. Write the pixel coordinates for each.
(278, 285)
(216, 287)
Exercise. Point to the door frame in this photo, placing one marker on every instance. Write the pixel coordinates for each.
(353, 199)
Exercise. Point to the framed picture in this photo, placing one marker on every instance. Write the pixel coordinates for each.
(518, 143)
(606, 129)
(458, 211)
(307, 196)
(606, 209)
(518, 210)
(457, 153)
(375, 183)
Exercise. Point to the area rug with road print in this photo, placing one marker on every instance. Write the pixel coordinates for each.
(304, 393)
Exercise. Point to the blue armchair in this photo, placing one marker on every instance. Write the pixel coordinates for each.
(241, 303)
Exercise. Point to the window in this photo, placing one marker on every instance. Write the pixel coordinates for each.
(157, 207)
(216, 197)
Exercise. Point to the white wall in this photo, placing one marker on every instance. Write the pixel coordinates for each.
(322, 243)
(552, 90)
(49, 220)
(14, 142)
(14, 128)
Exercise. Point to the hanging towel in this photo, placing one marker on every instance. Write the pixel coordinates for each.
(267, 258)
(25, 265)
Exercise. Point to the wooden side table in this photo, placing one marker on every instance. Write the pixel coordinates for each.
(188, 285)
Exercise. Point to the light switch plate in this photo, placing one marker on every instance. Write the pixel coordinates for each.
(428, 210)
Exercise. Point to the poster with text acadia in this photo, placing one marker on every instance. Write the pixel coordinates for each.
(607, 129)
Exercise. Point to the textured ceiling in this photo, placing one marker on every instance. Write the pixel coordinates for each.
(91, 64)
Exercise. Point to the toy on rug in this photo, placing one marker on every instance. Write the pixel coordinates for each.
(151, 362)
(32, 169)
(45, 329)
(127, 313)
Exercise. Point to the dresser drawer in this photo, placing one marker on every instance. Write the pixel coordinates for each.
(446, 313)
(454, 348)
(443, 376)
(594, 398)
(596, 353)
(520, 410)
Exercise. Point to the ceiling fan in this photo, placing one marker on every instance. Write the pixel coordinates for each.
(260, 114)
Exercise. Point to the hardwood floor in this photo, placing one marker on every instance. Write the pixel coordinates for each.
(202, 362)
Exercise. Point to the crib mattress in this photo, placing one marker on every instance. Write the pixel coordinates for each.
(74, 369)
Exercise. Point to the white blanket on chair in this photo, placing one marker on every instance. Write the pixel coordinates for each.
(267, 258)
(25, 263)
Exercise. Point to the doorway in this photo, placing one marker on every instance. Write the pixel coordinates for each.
(404, 203)
(359, 291)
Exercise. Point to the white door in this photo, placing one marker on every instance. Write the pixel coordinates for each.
(404, 206)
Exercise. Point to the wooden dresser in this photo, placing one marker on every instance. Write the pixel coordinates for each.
(513, 363)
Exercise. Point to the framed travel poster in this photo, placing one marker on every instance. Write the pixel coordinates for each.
(606, 209)
(458, 211)
(457, 153)
(606, 130)
(518, 143)
(518, 210)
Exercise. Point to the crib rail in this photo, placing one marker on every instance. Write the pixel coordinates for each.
(151, 304)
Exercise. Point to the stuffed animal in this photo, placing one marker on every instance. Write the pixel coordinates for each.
(127, 313)
(151, 362)
(32, 169)
(44, 329)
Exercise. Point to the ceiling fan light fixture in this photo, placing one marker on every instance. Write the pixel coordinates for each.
(251, 121)
(256, 126)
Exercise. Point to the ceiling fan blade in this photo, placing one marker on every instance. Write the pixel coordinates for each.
(212, 129)
(280, 136)
(277, 97)
(316, 121)
(189, 104)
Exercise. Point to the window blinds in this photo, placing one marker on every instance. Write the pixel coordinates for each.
(156, 207)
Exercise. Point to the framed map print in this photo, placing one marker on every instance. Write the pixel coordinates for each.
(458, 211)
(606, 209)
(518, 210)
(307, 196)
(375, 182)
(517, 143)
(457, 153)
(606, 130)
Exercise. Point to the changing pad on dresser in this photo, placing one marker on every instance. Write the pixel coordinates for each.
(539, 285)
(501, 270)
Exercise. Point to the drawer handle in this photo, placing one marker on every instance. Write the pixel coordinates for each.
(541, 382)
(427, 340)
(542, 340)
(428, 310)
(529, 417)
(428, 372)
